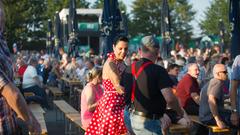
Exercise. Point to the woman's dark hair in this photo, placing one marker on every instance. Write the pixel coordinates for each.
(120, 38)
(223, 60)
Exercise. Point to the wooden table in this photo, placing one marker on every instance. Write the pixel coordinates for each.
(64, 107)
(40, 118)
(36, 108)
(76, 119)
(38, 112)
(72, 84)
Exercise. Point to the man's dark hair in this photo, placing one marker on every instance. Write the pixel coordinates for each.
(120, 38)
(172, 66)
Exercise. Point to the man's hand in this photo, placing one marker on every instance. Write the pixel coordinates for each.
(234, 118)
(220, 123)
(120, 89)
(165, 121)
(34, 127)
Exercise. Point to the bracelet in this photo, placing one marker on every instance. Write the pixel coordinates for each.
(234, 110)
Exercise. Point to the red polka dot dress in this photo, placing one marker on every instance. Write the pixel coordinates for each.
(108, 116)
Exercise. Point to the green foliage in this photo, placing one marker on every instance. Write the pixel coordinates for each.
(27, 19)
(57, 5)
(146, 18)
(181, 16)
(218, 10)
(23, 19)
(100, 3)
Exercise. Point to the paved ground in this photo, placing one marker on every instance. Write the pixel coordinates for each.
(56, 127)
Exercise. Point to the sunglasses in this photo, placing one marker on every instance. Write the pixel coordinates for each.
(225, 72)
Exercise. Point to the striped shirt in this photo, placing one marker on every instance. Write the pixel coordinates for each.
(7, 115)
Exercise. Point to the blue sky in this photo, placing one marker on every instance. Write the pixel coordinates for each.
(198, 5)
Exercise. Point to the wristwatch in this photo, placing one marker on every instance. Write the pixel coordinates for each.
(234, 110)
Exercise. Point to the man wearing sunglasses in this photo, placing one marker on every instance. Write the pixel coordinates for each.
(211, 111)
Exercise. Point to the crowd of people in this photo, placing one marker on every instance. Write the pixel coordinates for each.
(123, 91)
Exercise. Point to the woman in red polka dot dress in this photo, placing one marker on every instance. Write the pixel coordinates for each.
(108, 116)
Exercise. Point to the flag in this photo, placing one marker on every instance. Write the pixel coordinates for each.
(165, 48)
(235, 27)
(111, 18)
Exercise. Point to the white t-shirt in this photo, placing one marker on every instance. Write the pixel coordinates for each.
(45, 57)
(64, 57)
(28, 76)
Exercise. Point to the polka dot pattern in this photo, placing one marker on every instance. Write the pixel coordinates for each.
(108, 116)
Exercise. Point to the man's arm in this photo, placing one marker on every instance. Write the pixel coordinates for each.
(233, 93)
(16, 101)
(172, 100)
(37, 81)
(233, 99)
(196, 98)
(214, 110)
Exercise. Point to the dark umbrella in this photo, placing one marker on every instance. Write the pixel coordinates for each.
(57, 34)
(72, 16)
(72, 41)
(165, 31)
(111, 18)
(234, 19)
(49, 45)
(221, 34)
(124, 24)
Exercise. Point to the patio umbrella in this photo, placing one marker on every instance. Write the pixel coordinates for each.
(124, 24)
(49, 45)
(234, 19)
(165, 31)
(221, 33)
(72, 41)
(72, 16)
(111, 18)
(57, 34)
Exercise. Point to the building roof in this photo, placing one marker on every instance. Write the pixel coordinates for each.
(82, 11)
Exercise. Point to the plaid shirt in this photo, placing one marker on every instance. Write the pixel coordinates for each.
(7, 115)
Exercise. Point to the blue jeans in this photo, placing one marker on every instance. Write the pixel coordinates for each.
(127, 120)
(144, 126)
(39, 97)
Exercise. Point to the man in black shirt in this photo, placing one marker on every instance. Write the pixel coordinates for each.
(148, 91)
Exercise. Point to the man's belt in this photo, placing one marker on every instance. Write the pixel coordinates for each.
(147, 115)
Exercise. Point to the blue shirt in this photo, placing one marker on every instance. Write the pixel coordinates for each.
(235, 75)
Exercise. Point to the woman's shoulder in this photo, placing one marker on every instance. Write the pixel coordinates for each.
(88, 88)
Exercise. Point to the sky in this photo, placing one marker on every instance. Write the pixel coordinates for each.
(198, 5)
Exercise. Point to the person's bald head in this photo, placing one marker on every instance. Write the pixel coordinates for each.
(220, 72)
(193, 70)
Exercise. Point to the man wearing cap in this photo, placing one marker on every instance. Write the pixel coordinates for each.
(148, 91)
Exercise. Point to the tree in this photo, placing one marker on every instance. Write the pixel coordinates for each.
(217, 11)
(57, 5)
(27, 19)
(99, 4)
(24, 19)
(181, 16)
(146, 18)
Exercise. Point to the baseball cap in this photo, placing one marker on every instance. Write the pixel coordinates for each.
(150, 41)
